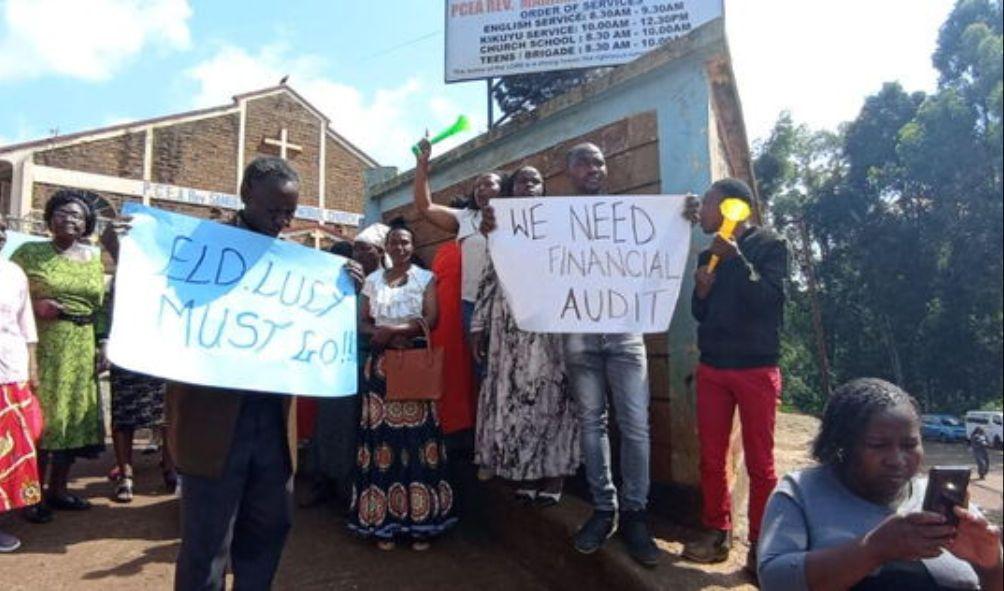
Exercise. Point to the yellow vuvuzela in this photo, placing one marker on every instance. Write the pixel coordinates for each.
(734, 211)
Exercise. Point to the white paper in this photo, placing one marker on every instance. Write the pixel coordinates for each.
(607, 264)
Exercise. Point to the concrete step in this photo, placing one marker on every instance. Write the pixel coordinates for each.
(540, 540)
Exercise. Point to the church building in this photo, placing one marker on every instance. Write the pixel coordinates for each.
(192, 162)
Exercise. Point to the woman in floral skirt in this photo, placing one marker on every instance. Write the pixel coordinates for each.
(401, 490)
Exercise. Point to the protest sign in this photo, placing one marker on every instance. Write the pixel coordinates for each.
(210, 304)
(610, 264)
(15, 240)
(493, 38)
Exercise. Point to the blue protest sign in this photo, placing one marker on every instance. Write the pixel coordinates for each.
(210, 304)
(16, 239)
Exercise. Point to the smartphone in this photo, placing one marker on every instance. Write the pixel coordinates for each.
(946, 489)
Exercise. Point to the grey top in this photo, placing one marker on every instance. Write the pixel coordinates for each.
(812, 509)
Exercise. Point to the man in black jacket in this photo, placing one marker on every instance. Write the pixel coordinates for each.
(738, 306)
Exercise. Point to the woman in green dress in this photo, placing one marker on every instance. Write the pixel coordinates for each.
(66, 280)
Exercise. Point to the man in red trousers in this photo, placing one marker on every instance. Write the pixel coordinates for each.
(738, 306)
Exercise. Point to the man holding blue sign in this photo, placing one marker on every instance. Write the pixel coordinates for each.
(228, 327)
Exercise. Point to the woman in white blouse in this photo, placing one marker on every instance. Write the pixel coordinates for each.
(401, 492)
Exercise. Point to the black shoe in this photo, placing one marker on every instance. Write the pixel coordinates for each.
(638, 540)
(67, 502)
(751, 564)
(39, 513)
(712, 546)
(595, 531)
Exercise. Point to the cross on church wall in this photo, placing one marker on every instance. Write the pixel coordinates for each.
(283, 143)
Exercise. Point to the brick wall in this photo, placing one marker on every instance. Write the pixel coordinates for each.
(120, 156)
(42, 191)
(200, 154)
(266, 117)
(344, 186)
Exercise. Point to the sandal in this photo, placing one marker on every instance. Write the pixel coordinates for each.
(68, 502)
(123, 490)
(548, 499)
(526, 495)
(386, 545)
(420, 546)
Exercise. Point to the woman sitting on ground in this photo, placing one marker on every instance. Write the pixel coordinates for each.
(401, 489)
(856, 521)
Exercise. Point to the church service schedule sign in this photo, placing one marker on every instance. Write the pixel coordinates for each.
(611, 264)
(211, 304)
(494, 38)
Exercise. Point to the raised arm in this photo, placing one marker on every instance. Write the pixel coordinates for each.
(439, 216)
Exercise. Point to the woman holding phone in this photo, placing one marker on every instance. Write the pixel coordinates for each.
(856, 521)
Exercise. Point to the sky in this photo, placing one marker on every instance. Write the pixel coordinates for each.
(376, 68)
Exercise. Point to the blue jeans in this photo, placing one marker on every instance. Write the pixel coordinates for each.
(597, 363)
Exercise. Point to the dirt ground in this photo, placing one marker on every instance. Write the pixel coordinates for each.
(134, 546)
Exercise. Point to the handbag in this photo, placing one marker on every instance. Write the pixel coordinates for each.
(414, 374)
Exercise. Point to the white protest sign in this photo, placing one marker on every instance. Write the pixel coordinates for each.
(492, 38)
(210, 304)
(610, 264)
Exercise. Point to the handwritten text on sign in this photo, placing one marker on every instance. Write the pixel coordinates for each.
(210, 304)
(609, 264)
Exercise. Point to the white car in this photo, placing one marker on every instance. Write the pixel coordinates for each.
(992, 422)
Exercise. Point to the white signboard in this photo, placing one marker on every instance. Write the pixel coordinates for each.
(610, 264)
(493, 38)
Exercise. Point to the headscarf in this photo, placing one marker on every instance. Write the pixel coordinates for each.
(375, 234)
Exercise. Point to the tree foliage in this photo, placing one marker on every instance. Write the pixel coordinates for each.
(517, 94)
(902, 214)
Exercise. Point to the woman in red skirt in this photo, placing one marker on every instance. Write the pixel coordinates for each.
(20, 417)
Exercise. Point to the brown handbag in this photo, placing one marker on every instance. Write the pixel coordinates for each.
(414, 374)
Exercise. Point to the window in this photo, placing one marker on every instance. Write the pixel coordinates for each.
(977, 420)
